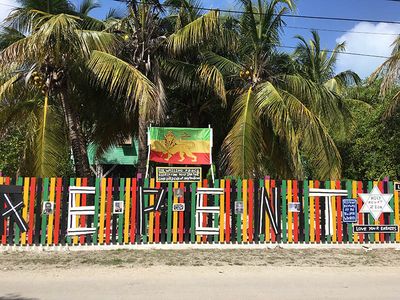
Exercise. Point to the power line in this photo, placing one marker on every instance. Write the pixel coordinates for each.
(343, 31)
(288, 16)
(341, 52)
(294, 27)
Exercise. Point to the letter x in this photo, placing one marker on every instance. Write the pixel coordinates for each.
(10, 203)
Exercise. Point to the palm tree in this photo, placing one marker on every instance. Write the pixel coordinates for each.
(318, 65)
(48, 60)
(273, 128)
(146, 57)
(390, 73)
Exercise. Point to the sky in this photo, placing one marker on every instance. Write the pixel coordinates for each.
(373, 44)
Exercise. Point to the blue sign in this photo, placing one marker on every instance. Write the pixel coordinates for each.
(349, 210)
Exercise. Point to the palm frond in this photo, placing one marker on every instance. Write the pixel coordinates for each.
(123, 80)
(195, 33)
(244, 142)
(301, 129)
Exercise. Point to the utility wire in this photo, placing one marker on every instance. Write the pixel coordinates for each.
(343, 31)
(340, 52)
(285, 16)
(294, 27)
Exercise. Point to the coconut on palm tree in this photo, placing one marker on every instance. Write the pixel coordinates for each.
(146, 58)
(44, 64)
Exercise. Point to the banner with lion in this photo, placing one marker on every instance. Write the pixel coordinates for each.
(184, 146)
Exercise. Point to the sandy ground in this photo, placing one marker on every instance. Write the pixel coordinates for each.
(201, 274)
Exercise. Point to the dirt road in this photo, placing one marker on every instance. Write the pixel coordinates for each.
(252, 274)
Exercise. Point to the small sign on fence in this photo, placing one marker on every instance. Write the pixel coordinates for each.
(178, 193)
(118, 208)
(178, 174)
(349, 211)
(294, 207)
(238, 207)
(178, 207)
(375, 228)
(48, 208)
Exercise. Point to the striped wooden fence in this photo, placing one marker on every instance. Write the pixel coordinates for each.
(253, 225)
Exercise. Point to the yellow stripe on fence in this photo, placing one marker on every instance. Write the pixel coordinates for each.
(77, 204)
(175, 218)
(51, 216)
(127, 209)
(222, 213)
(354, 196)
(25, 209)
(102, 209)
(151, 215)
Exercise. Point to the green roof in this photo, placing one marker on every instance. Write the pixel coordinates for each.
(116, 155)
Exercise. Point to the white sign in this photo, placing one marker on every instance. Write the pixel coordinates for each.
(376, 203)
(118, 208)
(48, 208)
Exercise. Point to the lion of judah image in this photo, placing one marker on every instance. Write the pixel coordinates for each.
(171, 145)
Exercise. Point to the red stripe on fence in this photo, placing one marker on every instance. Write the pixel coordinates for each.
(181, 215)
(227, 211)
(133, 211)
(83, 218)
(251, 207)
(381, 218)
(360, 215)
(108, 209)
(157, 221)
(32, 197)
(339, 215)
(57, 211)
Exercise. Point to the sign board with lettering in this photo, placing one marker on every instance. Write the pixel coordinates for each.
(375, 228)
(178, 174)
(397, 186)
(349, 210)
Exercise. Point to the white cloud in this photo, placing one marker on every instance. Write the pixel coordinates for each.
(367, 44)
(6, 7)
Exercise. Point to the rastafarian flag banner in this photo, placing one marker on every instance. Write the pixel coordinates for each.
(184, 146)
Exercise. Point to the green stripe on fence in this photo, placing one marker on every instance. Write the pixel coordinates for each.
(44, 216)
(121, 217)
(96, 211)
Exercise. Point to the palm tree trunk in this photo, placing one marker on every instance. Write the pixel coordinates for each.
(142, 145)
(77, 140)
